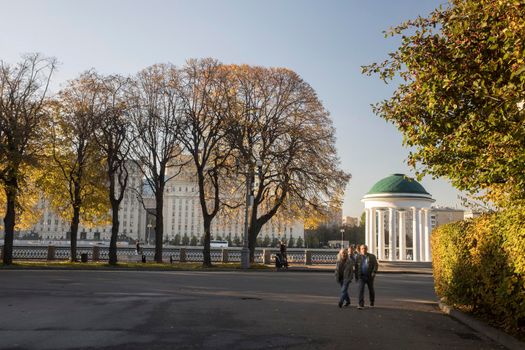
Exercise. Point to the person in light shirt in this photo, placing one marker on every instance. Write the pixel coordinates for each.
(344, 272)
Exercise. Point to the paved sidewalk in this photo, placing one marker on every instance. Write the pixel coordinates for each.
(115, 310)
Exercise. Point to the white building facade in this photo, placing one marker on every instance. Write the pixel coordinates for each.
(182, 216)
(52, 227)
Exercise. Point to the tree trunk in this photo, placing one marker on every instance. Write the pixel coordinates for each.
(74, 232)
(75, 220)
(114, 232)
(256, 223)
(9, 221)
(159, 224)
(206, 251)
(253, 232)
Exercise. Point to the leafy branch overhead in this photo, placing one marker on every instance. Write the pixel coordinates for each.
(459, 102)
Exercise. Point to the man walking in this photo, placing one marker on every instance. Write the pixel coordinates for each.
(366, 271)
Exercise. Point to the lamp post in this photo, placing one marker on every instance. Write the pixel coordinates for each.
(149, 233)
(342, 233)
(245, 252)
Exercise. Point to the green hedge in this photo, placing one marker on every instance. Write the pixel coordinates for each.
(479, 266)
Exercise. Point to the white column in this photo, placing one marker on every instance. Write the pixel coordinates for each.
(367, 225)
(381, 236)
(393, 239)
(427, 236)
(374, 235)
(415, 234)
(402, 236)
(421, 236)
(373, 229)
(391, 219)
(394, 234)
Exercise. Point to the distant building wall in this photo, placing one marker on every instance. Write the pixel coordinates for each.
(350, 221)
(442, 215)
(182, 216)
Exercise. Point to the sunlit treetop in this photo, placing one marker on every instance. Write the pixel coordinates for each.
(459, 103)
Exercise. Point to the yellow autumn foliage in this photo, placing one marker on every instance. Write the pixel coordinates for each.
(27, 210)
(479, 265)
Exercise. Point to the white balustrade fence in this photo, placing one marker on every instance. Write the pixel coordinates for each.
(179, 253)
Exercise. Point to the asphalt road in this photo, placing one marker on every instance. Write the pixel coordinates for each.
(220, 310)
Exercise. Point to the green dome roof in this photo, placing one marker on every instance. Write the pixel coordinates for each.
(397, 183)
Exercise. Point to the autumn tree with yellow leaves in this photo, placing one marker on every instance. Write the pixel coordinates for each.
(206, 96)
(228, 123)
(114, 139)
(154, 104)
(283, 135)
(74, 181)
(23, 92)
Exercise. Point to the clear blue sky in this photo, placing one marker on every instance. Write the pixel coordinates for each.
(325, 41)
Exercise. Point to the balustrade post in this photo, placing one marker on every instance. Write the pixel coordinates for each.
(96, 253)
(308, 257)
(182, 255)
(267, 256)
(225, 256)
(51, 250)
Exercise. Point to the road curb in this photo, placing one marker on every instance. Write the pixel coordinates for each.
(400, 272)
(498, 336)
(218, 269)
(326, 270)
(135, 269)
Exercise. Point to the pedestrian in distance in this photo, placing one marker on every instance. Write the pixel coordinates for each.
(282, 249)
(281, 260)
(366, 266)
(344, 272)
(140, 252)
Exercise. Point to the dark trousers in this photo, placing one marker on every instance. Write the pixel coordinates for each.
(344, 292)
(370, 284)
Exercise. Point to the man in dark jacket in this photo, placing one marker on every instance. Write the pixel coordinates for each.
(366, 266)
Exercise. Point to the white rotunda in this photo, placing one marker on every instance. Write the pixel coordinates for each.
(404, 205)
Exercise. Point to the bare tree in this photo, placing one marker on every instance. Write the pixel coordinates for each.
(284, 137)
(154, 109)
(76, 184)
(23, 90)
(114, 139)
(205, 95)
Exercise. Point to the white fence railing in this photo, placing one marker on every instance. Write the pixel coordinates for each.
(172, 253)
